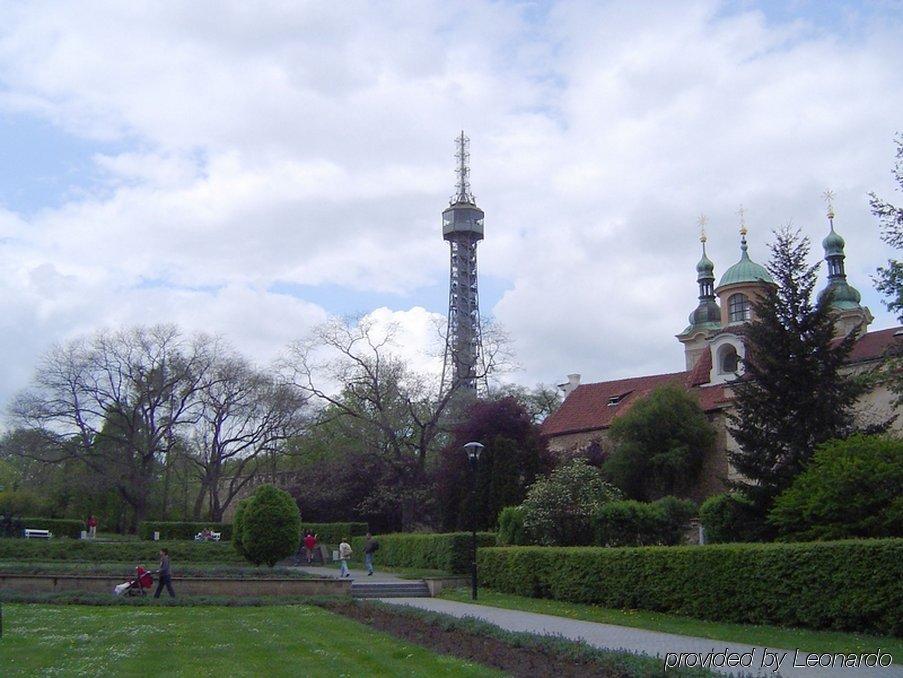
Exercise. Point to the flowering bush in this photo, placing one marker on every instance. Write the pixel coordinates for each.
(559, 509)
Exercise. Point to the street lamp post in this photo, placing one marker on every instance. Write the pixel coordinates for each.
(473, 455)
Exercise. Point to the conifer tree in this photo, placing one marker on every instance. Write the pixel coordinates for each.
(890, 277)
(889, 280)
(792, 396)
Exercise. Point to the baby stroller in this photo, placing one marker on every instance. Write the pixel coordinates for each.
(136, 587)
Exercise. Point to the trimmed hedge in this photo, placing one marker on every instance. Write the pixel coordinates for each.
(182, 530)
(333, 533)
(637, 523)
(60, 527)
(45, 550)
(449, 551)
(844, 585)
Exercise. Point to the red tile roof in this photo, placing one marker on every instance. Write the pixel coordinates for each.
(875, 345)
(587, 407)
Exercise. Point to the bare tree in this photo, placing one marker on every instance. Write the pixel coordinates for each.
(116, 401)
(243, 415)
(352, 368)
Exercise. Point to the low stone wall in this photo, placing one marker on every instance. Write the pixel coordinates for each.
(436, 584)
(187, 586)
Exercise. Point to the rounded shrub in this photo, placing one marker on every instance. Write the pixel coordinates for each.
(511, 526)
(559, 509)
(270, 526)
(729, 517)
(238, 526)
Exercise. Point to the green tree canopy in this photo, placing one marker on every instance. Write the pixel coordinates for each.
(890, 218)
(659, 445)
(851, 489)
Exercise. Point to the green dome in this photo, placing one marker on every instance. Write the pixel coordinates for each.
(705, 265)
(845, 295)
(745, 270)
(833, 243)
(707, 315)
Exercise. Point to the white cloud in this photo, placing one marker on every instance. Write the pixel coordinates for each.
(310, 145)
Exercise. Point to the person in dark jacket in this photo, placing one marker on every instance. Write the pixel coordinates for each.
(371, 546)
(165, 575)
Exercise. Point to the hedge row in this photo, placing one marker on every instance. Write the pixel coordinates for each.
(327, 533)
(44, 550)
(182, 530)
(844, 585)
(60, 527)
(449, 552)
(333, 533)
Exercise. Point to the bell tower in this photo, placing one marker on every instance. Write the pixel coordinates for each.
(706, 319)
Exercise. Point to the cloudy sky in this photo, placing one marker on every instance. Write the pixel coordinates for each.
(251, 168)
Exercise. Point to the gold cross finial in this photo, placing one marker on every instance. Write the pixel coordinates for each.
(742, 214)
(829, 195)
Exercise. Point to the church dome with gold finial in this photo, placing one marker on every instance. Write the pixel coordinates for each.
(745, 270)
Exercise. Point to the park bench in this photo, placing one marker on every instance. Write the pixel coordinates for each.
(37, 534)
(214, 536)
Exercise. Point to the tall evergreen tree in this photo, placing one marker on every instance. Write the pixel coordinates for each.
(793, 395)
(890, 278)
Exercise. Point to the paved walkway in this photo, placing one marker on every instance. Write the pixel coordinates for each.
(607, 636)
(333, 573)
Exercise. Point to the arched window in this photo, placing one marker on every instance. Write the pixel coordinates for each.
(728, 360)
(738, 308)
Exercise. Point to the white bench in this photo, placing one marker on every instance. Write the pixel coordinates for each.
(38, 534)
(214, 536)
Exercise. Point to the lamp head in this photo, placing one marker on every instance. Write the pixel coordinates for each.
(473, 450)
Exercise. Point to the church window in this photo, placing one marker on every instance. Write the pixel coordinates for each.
(738, 308)
(730, 361)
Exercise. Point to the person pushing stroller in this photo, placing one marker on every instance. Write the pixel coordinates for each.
(165, 575)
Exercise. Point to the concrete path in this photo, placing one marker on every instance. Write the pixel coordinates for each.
(663, 645)
(333, 573)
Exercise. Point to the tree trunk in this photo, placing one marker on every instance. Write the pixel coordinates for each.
(199, 501)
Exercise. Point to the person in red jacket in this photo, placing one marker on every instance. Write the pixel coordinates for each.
(310, 543)
(92, 527)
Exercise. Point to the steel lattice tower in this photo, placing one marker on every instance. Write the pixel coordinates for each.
(462, 227)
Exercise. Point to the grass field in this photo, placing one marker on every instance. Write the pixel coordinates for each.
(207, 641)
(751, 634)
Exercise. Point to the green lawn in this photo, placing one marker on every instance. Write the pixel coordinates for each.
(750, 634)
(207, 641)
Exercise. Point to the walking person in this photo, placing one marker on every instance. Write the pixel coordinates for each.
(165, 575)
(344, 554)
(310, 543)
(92, 527)
(370, 547)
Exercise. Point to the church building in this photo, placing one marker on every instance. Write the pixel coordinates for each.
(714, 346)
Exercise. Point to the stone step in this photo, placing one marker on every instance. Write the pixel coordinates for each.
(390, 590)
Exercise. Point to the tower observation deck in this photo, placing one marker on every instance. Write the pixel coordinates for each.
(462, 227)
